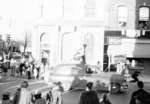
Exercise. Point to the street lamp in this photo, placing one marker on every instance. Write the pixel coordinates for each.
(84, 46)
(41, 7)
(84, 54)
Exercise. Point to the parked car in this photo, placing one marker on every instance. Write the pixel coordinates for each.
(76, 76)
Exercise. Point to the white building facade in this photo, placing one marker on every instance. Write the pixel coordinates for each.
(67, 27)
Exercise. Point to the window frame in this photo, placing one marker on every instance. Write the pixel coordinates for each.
(124, 22)
(139, 12)
(143, 24)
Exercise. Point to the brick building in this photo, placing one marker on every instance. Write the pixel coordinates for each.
(127, 31)
(143, 14)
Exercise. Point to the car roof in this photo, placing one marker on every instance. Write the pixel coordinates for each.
(78, 65)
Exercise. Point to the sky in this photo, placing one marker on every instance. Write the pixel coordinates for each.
(17, 14)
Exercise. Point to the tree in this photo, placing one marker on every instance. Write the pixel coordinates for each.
(27, 41)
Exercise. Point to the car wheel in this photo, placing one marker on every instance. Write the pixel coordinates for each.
(115, 88)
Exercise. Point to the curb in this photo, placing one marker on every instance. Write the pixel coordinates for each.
(19, 80)
(30, 83)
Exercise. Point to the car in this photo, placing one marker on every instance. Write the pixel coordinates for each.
(76, 76)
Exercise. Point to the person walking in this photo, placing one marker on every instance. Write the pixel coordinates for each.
(105, 100)
(140, 96)
(22, 95)
(135, 75)
(49, 98)
(89, 96)
(57, 94)
(39, 99)
(21, 68)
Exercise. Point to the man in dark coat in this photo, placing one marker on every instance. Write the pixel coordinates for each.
(140, 95)
(89, 96)
(135, 75)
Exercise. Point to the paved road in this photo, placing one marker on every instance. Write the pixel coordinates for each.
(13, 85)
(73, 96)
(124, 98)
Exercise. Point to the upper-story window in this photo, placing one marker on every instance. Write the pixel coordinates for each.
(89, 8)
(143, 16)
(122, 15)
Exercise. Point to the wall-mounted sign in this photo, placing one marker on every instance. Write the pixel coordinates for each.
(114, 40)
(120, 58)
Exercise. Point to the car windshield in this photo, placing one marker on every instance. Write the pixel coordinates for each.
(68, 70)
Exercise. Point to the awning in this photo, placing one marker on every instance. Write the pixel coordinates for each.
(140, 51)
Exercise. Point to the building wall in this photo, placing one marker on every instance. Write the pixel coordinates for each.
(112, 13)
(65, 40)
(129, 35)
(50, 43)
(77, 18)
(140, 3)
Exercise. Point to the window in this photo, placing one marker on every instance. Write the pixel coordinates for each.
(144, 14)
(143, 17)
(90, 8)
(122, 15)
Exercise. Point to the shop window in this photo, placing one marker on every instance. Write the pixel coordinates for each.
(122, 15)
(143, 17)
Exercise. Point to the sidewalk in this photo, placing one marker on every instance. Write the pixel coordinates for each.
(4, 79)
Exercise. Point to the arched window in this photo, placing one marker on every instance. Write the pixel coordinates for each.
(44, 45)
(122, 15)
(89, 42)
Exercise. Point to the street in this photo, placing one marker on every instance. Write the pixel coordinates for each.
(71, 97)
(13, 85)
(123, 98)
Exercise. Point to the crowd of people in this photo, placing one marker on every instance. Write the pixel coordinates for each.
(32, 69)
(89, 96)
(24, 96)
(22, 68)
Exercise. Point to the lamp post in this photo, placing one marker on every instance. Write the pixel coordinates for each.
(41, 7)
(84, 46)
(84, 54)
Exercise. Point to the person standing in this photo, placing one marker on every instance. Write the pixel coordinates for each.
(105, 100)
(99, 66)
(49, 98)
(140, 96)
(38, 69)
(35, 72)
(22, 95)
(89, 96)
(57, 94)
(135, 75)
(21, 68)
(39, 99)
